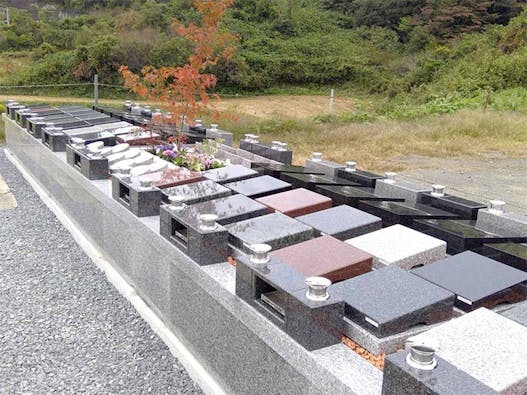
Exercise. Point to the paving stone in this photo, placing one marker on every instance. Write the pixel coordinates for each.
(327, 257)
(342, 222)
(400, 246)
(391, 300)
(477, 281)
(487, 346)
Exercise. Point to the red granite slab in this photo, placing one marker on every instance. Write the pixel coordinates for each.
(173, 177)
(296, 202)
(327, 257)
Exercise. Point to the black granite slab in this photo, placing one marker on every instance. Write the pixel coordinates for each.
(259, 186)
(276, 170)
(512, 254)
(393, 213)
(477, 281)
(466, 209)
(278, 292)
(342, 222)
(277, 230)
(312, 181)
(390, 300)
(352, 196)
(462, 235)
(196, 192)
(444, 379)
(364, 178)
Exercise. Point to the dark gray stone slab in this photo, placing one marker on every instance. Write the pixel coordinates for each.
(259, 186)
(364, 178)
(279, 293)
(467, 209)
(93, 168)
(228, 174)
(196, 192)
(312, 181)
(276, 170)
(391, 300)
(477, 281)
(277, 230)
(352, 196)
(517, 313)
(445, 379)
(400, 213)
(141, 202)
(342, 222)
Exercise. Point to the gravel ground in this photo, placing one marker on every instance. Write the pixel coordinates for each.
(63, 327)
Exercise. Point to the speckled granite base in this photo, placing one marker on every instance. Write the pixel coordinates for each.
(445, 379)
(143, 203)
(228, 174)
(504, 224)
(517, 313)
(91, 168)
(487, 346)
(324, 166)
(409, 191)
(400, 246)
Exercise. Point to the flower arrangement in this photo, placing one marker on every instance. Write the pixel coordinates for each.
(196, 158)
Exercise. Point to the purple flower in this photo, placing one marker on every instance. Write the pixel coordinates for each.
(170, 153)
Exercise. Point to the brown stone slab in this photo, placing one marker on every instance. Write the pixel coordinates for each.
(173, 177)
(296, 202)
(327, 257)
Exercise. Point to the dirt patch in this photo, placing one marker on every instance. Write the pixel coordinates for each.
(492, 177)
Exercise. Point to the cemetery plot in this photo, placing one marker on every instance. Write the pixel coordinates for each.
(296, 202)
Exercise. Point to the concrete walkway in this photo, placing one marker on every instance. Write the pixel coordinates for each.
(63, 327)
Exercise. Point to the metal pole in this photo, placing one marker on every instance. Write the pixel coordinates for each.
(7, 20)
(331, 96)
(96, 90)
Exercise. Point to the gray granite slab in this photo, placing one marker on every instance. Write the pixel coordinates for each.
(327, 167)
(487, 346)
(342, 222)
(391, 300)
(259, 186)
(503, 224)
(518, 313)
(277, 230)
(445, 379)
(409, 191)
(228, 174)
(400, 246)
(477, 281)
(196, 192)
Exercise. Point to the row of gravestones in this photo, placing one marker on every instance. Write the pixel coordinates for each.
(327, 250)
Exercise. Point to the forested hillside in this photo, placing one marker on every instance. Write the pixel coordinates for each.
(442, 54)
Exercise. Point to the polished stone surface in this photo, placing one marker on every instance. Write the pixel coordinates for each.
(275, 170)
(89, 167)
(504, 224)
(259, 186)
(512, 254)
(401, 213)
(327, 257)
(342, 222)
(365, 178)
(445, 379)
(467, 209)
(312, 181)
(391, 300)
(296, 202)
(487, 346)
(409, 191)
(277, 230)
(197, 192)
(173, 177)
(229, 174)
(477, 281)
(229, 209)
(352, 196)
(400, 246)
(140, 201)
(462, 235)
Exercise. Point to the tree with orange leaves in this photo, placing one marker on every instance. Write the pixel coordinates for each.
(185, 90)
